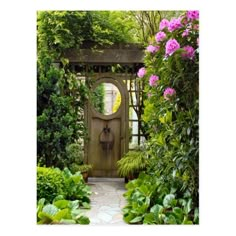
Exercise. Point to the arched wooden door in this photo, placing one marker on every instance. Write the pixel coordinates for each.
(107, 133)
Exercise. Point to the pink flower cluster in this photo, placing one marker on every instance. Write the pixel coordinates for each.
(168, 93)
(160, 36)
(153, 80)
(152, 49)
(141, 72)
(174, 24)
(193, 15)
(164, 24)
(171, 46)
(189, 52)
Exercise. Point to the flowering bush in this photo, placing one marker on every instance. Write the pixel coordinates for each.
(141, 72)
(153, 80)
(171, 115)
(152, 49)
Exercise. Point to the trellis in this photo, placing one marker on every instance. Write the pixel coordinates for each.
(121, 61)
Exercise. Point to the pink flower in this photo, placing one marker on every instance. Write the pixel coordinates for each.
(174, 24)
(163, 24)
(189, 52)
(168, 93)
(185, 33)
(171, 46)
(160, 36)
(141, 72)
(193, 15)
(153, 80)
(149, 95)
(197, 41)
(152, 49)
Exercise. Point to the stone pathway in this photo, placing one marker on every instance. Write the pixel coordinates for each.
(106, 201)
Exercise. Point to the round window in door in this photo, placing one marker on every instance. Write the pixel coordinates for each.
(106, 98)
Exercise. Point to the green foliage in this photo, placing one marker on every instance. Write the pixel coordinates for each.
(97, 98)
(50, 183)
(60, 212)
(148, 202)
(75, 188)
(53, 183)
(60, 95)
(173, 145)
(74, 153)
(131, 163)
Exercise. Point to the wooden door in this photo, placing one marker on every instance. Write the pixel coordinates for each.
(107, 133)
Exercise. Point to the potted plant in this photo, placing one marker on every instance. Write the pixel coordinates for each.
(131, 164)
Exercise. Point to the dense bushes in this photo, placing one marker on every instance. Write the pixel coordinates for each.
(171, 114)
(60, 196)
(52, 182)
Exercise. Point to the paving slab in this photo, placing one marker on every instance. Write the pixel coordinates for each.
(107, 201)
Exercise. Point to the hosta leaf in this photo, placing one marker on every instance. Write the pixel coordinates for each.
(137, 219)
(61, 204)
(62, 214)
(169, 200)
(50, 209)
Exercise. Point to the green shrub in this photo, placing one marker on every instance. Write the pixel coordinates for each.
(50, 183)
(131, 163)
(74, 153)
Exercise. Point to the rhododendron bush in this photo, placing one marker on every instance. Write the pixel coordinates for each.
(171, 75)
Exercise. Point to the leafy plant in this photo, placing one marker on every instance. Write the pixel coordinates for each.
(149, 202)
(50, 183)
(60, 212)
(75, 188)
(131, 163)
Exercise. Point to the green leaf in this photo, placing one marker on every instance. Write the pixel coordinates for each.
(40, 204)
(196, 216)
(62, 214)
(170, 219)
(178, 212)
(149, 218)
(45, 218)
(83, 220)
(137, 219)
(50, 210)
(61, 204)
(169, 200)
